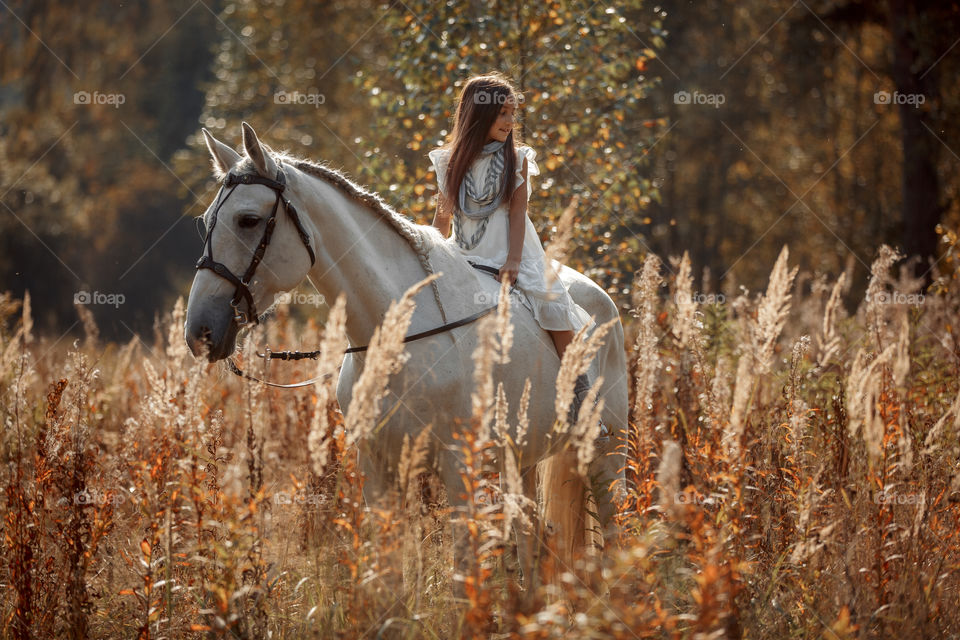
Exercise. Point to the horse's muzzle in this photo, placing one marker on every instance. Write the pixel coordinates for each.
(213, 337)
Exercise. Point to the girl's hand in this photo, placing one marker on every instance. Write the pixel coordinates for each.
(510, 269)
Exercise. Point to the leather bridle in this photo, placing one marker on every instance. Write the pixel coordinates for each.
(242, 284)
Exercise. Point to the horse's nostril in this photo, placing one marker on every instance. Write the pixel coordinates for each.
(200, 341)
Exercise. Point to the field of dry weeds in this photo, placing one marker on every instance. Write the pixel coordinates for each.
(792, 466)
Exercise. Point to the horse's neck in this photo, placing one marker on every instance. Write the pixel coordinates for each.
(366, 259)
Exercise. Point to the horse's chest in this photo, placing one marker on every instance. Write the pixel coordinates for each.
(429, 385)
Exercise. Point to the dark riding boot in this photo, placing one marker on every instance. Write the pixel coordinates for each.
(580, 389)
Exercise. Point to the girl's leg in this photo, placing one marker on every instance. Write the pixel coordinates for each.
(561, 339)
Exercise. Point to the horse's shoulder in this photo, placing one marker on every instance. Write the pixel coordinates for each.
(446, 257)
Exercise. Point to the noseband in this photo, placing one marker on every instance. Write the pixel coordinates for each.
(242, 284)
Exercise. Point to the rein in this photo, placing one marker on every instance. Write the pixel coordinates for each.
(313, 355)
(303, 355)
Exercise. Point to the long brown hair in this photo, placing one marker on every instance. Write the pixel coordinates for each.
(477, 109)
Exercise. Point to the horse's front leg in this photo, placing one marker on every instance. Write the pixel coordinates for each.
(452, 470)
(378, 482)
(527, 541)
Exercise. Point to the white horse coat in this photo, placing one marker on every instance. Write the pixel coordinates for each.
(373, 255)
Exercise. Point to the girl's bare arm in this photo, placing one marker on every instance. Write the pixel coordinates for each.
(518, 215)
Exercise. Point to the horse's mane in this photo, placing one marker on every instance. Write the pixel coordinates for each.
(420, 239)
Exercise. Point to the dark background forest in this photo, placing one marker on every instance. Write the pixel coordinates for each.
(725, 129)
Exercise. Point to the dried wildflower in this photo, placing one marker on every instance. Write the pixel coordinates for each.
(905, 446)
(413, 459)
(500, 425)
(773, 310)
(523, 418)
(668, 476)
(384, 358)
(743, 388)
(90, 329)
(863, 396)
(317, 441)
(26, 320)
(177, 350)
(516, 506)
(331, 354)
(556, 251)
(718, 398)
(877, 295)
(772, 313)
(901, 357)
(797, 408)
(576, 361)
(587, 429)
(829, 337)
(953, 411)
(811, 539)
(494, 339)
(685, 320)
(646, 346)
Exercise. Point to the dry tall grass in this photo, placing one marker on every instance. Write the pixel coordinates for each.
(815, 494)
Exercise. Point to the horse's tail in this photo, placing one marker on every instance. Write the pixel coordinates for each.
(563, 494)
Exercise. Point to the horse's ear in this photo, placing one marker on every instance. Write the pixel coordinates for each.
(265, 165)
(223, 156)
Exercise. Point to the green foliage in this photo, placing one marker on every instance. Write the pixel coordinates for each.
(582, 68)
(285, 69)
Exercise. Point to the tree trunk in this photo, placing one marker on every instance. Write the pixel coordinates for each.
(920, 184)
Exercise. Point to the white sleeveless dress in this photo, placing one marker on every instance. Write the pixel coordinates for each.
(553, 308)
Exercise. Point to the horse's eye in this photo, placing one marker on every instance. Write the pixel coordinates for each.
(248, 221)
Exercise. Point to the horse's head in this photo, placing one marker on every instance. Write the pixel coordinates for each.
(256, 246)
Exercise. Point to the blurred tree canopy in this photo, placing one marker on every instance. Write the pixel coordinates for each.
(94, 99)
(723, 128)
(808, 148)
